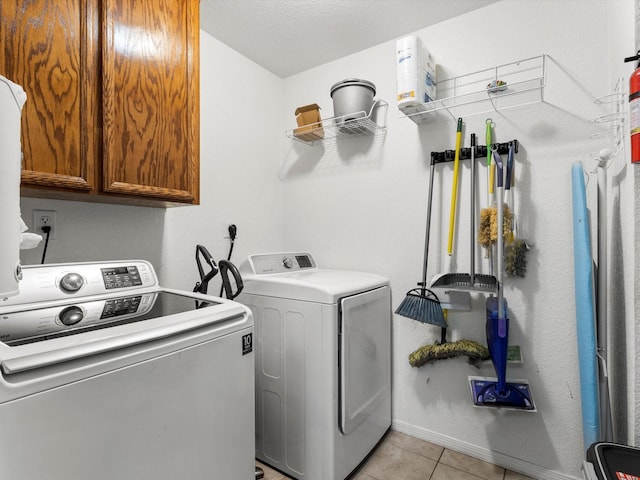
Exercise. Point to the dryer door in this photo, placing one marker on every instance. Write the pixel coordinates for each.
(365, 355)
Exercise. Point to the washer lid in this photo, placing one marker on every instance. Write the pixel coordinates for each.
(313, 285)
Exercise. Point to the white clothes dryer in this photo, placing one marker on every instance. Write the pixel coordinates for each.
(323, 364)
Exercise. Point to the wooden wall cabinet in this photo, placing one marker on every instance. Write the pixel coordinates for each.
(112, 112)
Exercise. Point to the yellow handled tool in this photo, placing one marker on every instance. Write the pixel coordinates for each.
(454, 188)
(490, 167)
(492, 178)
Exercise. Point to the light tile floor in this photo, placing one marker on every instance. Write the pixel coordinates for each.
(402, 457)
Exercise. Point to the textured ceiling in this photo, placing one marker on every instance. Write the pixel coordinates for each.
(290, 36)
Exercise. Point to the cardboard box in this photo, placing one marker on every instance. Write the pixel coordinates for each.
(309, 123)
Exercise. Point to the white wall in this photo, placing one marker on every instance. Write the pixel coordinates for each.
(240, 152)
(361, 204)
(241, 147)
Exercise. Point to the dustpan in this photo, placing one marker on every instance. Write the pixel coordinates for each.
(468, 281)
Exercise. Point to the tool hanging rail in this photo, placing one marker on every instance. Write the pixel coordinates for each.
(465, 153)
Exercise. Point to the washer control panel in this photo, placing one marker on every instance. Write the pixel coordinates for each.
(268, 263)
(54, 282)
(33, 325)
(121, 277)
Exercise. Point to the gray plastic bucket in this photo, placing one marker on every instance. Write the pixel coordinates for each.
(351, 97)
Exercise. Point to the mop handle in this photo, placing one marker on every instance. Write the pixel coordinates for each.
(500, 239)
(428, 226)
(454, 188)
(488, 136)
(508, 182)
(472, 214)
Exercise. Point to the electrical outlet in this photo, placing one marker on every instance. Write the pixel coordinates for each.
(225, 225)
(42, 218)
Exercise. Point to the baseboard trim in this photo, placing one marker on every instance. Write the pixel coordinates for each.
(505, 461)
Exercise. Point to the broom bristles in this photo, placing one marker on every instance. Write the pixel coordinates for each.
(423, 306)
(515, 258)
(488, 229)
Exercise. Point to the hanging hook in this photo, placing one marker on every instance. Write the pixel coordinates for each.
(634, 58)
(202, 285)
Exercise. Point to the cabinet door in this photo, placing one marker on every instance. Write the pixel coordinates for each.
(150, 98)
(49, 47)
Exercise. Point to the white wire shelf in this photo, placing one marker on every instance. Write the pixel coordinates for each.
(615, 119)
(351, 125)
(502, 87)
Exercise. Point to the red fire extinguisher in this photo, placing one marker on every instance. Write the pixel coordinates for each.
(634, 108)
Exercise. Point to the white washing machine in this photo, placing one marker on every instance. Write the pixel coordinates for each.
(105, 375)
(323, 364)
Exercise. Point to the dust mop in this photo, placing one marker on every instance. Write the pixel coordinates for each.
(499, 392)
(426, 354)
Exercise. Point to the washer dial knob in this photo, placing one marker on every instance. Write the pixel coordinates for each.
(287, 262)
(71, 315)
(71, 282)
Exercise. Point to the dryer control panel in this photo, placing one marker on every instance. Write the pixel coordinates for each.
(269, 263)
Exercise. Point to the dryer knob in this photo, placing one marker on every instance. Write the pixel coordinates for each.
(287, 262)
(71, 315)
(71, 282)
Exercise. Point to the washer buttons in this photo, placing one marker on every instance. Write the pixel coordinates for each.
(71, 315)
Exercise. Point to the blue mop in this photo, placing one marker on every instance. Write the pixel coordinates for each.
(498, 392)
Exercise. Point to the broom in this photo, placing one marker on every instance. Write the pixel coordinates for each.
(422, 304)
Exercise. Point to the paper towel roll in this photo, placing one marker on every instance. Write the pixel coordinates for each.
(12, 98)
(415, 71)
